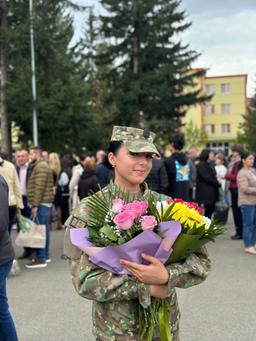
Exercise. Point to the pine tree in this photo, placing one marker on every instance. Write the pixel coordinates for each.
(63, 116)
(150, 73)
(248, 136)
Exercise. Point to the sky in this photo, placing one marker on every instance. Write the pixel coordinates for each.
(223, 31)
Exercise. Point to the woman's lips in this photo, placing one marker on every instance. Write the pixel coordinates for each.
(140, 172)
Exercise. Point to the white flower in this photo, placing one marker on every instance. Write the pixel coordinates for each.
(207, 222)
(160, 204)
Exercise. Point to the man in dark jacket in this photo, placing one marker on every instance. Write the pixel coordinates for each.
(178, 169)
(7, 327)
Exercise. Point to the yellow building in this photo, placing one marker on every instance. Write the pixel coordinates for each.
(223, 114)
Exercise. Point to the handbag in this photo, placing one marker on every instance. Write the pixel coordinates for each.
(31, 233)
(221, 209)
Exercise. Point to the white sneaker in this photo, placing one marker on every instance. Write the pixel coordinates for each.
(48, 260)
(250, 250)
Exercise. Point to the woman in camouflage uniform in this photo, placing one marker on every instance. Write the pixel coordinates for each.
(115, 296)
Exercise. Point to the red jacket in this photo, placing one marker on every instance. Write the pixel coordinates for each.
(231, 176)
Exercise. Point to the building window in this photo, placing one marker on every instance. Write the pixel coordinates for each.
(209, 109)
(225, 108)
(209, 89)
(209, 128)
(225, 128)
(225, 88)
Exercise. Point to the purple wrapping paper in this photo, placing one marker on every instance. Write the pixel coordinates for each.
(146, 242)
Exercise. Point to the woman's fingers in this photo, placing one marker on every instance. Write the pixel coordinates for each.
(132, 265)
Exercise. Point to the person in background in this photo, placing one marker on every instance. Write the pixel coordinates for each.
(73, 184)
(157, 180)
(103, 173)
(221, 170)
(45, 156)
(231, 177)
(100, 155)
(63, 187)
(207, 185)
(40, 198)
(246, 182)
(88, 180)
(54, 163)
(178, 169)
(9, 173)
(7, 327)
(24, 169)
(192, 156)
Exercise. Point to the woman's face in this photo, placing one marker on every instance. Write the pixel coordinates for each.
(211, 156)
(249, 161)
(218, 161)
(131, 169)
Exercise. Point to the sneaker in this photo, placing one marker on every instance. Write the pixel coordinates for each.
(48, 260)
(15, 271)
(250, 250)
(36, 264)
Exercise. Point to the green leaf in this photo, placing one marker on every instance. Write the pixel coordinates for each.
(107, 230)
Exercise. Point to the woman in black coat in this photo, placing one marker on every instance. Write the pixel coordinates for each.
(207, 185)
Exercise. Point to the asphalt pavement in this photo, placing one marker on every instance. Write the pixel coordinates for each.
(45, 307)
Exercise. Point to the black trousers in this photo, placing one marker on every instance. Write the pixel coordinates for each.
(208, 210)
(237, 214)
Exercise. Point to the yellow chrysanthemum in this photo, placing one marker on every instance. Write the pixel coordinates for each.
(187, 215)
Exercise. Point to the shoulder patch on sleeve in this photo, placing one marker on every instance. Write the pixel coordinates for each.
(77, 223)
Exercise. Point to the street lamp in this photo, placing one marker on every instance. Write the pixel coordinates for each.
(33, 69)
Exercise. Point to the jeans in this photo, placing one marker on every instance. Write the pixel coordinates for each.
(42, 218)
(249, 222)
(26, 211)
(7, 327)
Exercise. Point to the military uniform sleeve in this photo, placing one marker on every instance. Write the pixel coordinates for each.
(95, 283)
(192, 271)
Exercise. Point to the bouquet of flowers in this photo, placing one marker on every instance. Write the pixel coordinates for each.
(123, 229)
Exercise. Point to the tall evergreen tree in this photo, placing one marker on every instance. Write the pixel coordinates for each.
(151, 75)
(248, 136)
(63, 116)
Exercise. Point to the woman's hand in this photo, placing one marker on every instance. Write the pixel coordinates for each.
(155, 273)
(159, 291)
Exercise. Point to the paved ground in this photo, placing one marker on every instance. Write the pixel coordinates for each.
(45, 307)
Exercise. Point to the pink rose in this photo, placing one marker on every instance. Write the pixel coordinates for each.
(137, 207)
(117, 205)
(124, 220)
(148, 222)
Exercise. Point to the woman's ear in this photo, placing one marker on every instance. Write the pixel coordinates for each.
(111, 159)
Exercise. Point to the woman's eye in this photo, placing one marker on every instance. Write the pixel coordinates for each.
(149, 157)
(134, 154)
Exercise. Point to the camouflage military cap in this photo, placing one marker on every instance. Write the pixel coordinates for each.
(136, 140)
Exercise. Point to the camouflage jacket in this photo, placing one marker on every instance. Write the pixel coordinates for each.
(115, 296)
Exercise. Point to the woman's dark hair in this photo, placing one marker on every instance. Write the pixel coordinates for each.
(67, 164)
(204, 156)
(178, 140)
(114, 146)
(244, 156)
